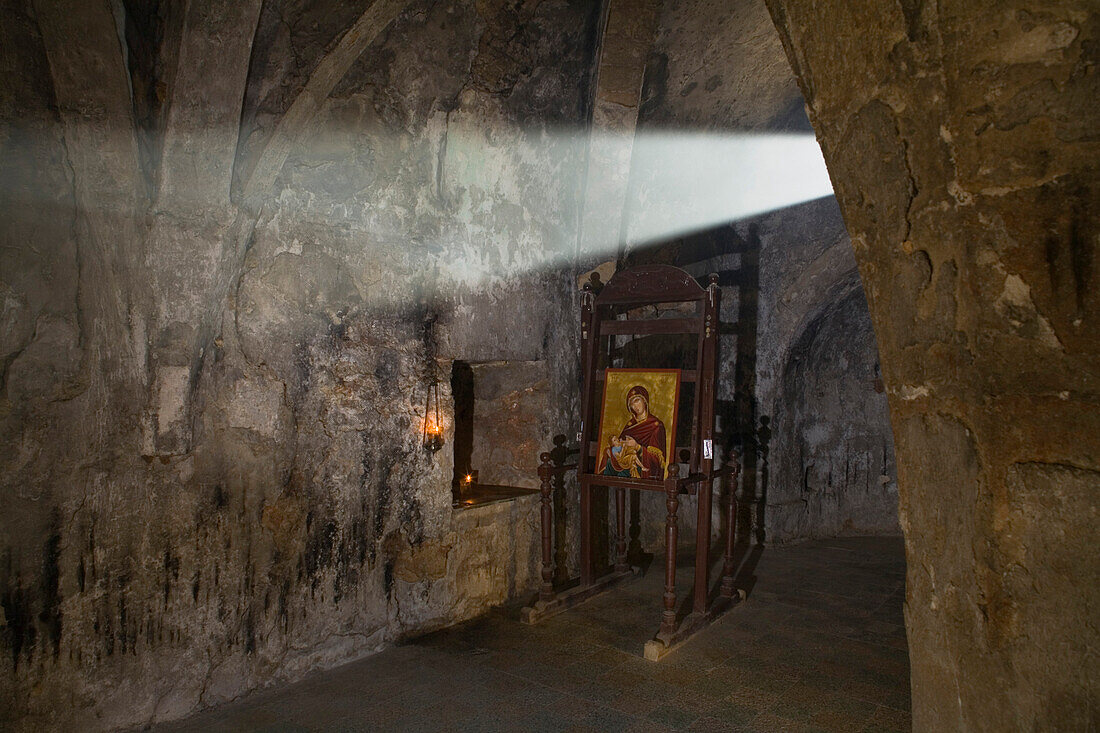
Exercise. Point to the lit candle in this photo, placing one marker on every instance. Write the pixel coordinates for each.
(433, 436)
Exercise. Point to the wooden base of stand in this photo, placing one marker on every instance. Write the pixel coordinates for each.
(662, 644)
(565, 600)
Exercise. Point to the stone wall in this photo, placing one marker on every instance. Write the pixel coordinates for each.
(831, 471)
(961, 140)
(240, 242)
(240, 237)
(511, 430)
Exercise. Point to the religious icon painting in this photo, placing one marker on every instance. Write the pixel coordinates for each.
(638, 422)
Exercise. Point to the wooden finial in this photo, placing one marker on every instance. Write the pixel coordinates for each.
(545, 469)
(594, 284)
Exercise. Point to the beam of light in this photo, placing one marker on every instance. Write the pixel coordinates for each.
(682, 182)
(475, 199)
(629, 191)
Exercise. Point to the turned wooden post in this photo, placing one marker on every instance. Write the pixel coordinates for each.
(546, 474)
(590, 355)
(672, 502)
(731, 522)
(620, 531)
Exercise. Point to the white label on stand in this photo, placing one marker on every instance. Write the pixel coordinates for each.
(578, 437)
(708, 449)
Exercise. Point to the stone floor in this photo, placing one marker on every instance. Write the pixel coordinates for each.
(818, 645)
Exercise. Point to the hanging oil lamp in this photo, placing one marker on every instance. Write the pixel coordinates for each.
(433, 423)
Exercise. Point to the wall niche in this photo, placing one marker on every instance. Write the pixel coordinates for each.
(500, 427)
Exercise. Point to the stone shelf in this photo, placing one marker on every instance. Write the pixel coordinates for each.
(483, 494)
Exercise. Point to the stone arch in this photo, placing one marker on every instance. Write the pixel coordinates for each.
(955, 140)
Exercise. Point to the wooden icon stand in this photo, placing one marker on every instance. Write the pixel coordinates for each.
(607, 313)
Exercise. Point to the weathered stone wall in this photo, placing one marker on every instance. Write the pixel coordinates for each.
(782, 275)
(227, 226)
(961, 138)
(219, 324)
(831, 470)
(511, 430)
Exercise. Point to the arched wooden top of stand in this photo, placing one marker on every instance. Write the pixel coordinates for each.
(648, 284)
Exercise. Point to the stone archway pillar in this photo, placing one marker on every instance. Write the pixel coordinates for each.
(626, 38)
(961, 140)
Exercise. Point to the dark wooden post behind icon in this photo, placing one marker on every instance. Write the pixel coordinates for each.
(704, 460)
(672, 537)
(620, 531)
(590, 334)
(624, 307)
(546, 487)
(731, 523)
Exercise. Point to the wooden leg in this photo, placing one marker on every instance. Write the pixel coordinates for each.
(672, 503)
(620, 531)
(546, 473)
(702, 548)
(731, 527)
(634, 549)
(586, 535)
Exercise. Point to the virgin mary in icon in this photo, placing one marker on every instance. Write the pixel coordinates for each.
(634, 441)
